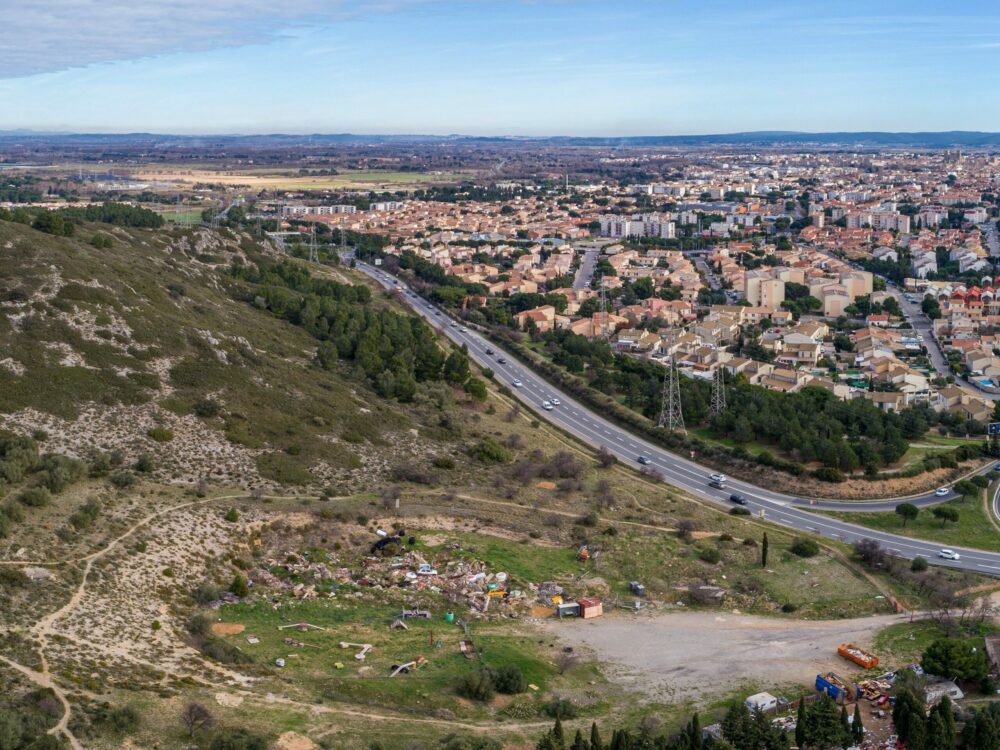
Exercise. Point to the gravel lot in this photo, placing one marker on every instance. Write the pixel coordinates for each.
(689, 655)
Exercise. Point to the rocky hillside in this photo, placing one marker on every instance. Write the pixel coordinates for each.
(145, 346)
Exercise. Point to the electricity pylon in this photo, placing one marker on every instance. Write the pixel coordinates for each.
(671, 415)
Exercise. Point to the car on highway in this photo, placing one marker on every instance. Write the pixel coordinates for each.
(554, 401)
(489, 351)
(644, 460)
(996, 468)
(516, 383)
(949, 554)
(547, 405)
(502, 360)
(464, 329)
(454, 324)
(717, 477)
(942, 492)
(738, 498)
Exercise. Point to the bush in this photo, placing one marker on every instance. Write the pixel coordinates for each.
(35, 497)
(444, 462)
(200, 625)
(804, 547)
(206, 408)
(232, 515)
(489, 451)
(123, 479)
(710, 555)
(144, 464)
(477, 686)
(237, 739)
(510, 680)
(160, 434)
(919, 565)
(829, 474)
(739, 511)
(561, 708)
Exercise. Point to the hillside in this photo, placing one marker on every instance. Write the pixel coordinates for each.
(119, 349)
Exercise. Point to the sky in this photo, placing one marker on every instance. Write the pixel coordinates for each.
(499, 67)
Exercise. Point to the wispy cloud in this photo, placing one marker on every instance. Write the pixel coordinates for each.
(49, 35)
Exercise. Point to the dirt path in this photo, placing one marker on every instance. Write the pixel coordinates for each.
(685, 655)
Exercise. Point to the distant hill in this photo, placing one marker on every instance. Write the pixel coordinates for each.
(870, 139)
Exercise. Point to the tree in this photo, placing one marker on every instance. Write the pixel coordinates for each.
(579, 743)
(824, 729)
(800, 724)
(595, 737)
(456, 367)
(239, 586)
(10, 730)
(845, 724)
(763, 551)
(196, 717)
(606, 459)
(476, 388)
(907, 511)
(965, 488)
(957, 658)
(945, 514)
(857, 727)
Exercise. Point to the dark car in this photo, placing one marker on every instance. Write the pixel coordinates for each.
(738, 499)
(502, 361)
(644, 460)
(490, 352)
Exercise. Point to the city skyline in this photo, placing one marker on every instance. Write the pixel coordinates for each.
(486, 68)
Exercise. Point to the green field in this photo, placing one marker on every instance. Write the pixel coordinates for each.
(973, 528)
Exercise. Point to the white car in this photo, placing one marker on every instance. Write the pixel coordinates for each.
(464, 329)
(949, 554)
(942, 491)
(554, 401)
(720, 478)
(547, 405)
(517, 384)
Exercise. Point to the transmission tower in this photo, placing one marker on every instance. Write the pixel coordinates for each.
(313, 255)
(671, 415)
(718, 392)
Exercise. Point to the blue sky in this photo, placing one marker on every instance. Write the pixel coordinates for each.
(539, 67)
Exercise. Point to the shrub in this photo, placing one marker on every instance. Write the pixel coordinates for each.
(477, 686)
(739, 511)
(237, 739)
(788, 607)
(561, 708)
(144, 464)
(710, 555)
(206, 592)
(919, 565)
(123, 479)
(510, 680)
(239, 586)
(205, 408)
(199, 625)
(35, 497)
(444, 462)
(160, 434)
(489, 451)
(232, 515)
(804, 547)
(829, 474)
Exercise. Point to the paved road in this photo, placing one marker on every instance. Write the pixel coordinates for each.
(585, 272)
(580, 421)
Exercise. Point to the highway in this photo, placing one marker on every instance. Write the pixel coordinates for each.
(578, 420)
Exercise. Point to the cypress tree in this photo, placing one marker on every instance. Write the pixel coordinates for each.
(595, 738)
(845, 727)
(558, 738)
(947, 714)
(800, 723)
(763, 552)
(857, 728)
(579, 743)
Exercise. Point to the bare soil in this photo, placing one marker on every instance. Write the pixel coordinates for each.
(687, 655)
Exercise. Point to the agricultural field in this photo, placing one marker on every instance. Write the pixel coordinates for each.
(284, 179)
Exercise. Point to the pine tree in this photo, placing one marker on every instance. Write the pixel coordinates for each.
(936, 731)
(857, 728)
(800, 724)
(579, 743)
(763, 552)
(595, 738)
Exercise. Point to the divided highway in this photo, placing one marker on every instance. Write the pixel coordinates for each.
(580, 421)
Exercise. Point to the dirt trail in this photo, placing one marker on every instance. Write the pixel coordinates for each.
(681, 653)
